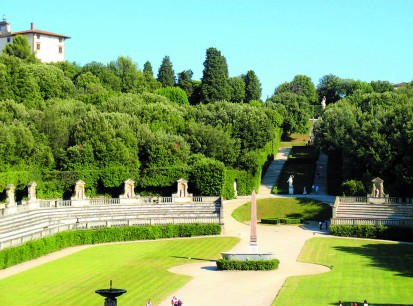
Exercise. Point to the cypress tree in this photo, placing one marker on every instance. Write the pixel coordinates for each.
(252, 86)
(215, 84)
(166, 75)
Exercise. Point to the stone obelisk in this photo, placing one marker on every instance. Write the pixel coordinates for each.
(253, 236)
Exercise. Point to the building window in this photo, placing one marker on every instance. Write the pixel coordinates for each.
(8, 39)
(60, 39)
(38, 36)
(60, 49)
(37, 46)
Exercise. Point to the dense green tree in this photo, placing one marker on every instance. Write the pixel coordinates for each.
(300, 85)
(213, 142)
(51, 81)
(185, 82)
(126, 70)
(107, 76)
(20, 47)
(69, 69)
(214, 80)
(174, 94)
(237, 85)
(147, 69)
(331, 87)
(166, 74)
(381, 86)
(252, 86)
(296, 114)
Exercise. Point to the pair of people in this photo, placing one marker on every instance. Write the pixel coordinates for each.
(176, 302)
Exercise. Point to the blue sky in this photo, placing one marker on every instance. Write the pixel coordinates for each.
(359, 39)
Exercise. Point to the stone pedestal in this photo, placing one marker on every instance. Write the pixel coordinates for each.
(10, 202)
(31, 193)
(79, 191)
(291, 190)
(129, 191)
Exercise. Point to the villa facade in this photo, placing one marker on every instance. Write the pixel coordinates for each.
(48, 47)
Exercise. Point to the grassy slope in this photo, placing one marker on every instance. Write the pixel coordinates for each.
(284, 207)
(380, 272)
(140, 268)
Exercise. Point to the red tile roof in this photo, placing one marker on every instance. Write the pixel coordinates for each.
(38, 32)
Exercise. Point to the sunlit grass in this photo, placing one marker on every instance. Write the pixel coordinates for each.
(141, 268)
(284, 207)
(379, 272)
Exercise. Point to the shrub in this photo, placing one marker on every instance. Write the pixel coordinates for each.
(291, 220)
(36, 248)
(373, 232)
(247, 265)
(270, 220)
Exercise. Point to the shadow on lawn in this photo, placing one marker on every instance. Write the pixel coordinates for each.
(391, 257)
(193, 258)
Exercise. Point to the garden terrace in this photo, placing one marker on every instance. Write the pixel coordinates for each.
(373, 211)
(15, 229)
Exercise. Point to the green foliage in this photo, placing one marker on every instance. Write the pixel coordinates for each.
(208, 176)
(381, 86)
(295, 109)
(270, 220)
(131, 79)
(166, 74)
(247, 265)
(368, 132)
(291, 221)
(373, 232)
(353, 188)
(331, 87)
(174, 94)
(20, 47)
(213, 142)
(301, 85)
(37, 248)
(237, 85)
(185, 83)
(252, 86)
(215, 85)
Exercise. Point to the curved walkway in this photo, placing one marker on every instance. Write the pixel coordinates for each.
(210, 286)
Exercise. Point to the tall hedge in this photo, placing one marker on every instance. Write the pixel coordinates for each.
(208, 176)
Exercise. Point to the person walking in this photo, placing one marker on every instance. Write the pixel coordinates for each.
(321, 225)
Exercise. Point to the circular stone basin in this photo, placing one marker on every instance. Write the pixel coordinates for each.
(111, 293)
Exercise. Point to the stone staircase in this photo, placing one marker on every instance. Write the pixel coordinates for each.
(374, 211)
(367, 213)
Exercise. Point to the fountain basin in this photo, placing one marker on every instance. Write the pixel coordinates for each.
(111, 293)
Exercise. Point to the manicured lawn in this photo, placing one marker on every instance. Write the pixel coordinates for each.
(284, 207)
(380, 272)
(140, 268)
(296, 140)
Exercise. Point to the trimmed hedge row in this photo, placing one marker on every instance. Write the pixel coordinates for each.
(373, 232)
(247, 265)
(36, 248)
(281, 220)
